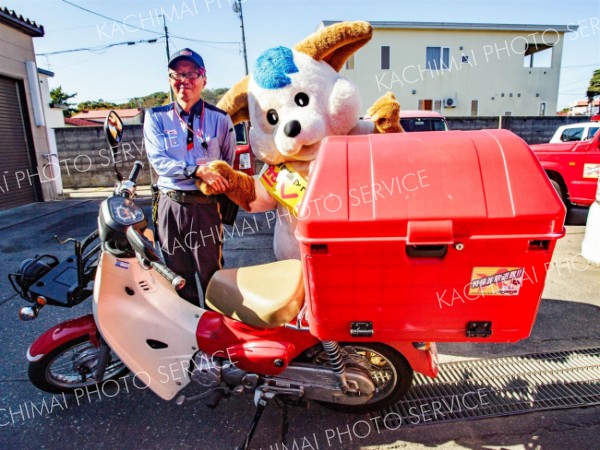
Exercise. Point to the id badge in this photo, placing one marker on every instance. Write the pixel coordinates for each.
(202, 161)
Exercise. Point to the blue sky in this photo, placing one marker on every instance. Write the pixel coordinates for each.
(124, 71)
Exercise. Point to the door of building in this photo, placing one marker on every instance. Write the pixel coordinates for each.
(18, 179)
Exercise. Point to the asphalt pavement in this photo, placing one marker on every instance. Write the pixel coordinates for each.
(127, 417)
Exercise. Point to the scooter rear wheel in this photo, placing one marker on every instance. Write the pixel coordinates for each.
(389, 370)
(71, 366)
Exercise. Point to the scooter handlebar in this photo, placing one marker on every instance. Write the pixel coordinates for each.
(135, 171)
(177, 281)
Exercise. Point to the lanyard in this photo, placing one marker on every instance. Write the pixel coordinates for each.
(189, 125)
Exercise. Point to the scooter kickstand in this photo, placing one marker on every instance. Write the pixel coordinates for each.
(261, 399)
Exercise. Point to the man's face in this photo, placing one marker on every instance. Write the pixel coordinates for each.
(187, 90)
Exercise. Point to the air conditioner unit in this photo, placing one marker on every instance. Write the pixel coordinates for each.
(450, 102)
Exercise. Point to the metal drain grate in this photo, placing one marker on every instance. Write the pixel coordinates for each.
(500, 386)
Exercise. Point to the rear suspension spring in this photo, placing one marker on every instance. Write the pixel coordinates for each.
(337, 363)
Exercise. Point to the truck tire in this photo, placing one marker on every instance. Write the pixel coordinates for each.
(559, 190)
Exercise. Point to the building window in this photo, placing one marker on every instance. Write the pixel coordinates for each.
(537, 55)
(542, 108)
(350, 63)
(474, 108)
(430, 105)
(464, 59)
(508, 113)
(437, 58)
(385, 57)
(425, 105)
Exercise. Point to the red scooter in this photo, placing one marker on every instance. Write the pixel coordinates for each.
(401, 252)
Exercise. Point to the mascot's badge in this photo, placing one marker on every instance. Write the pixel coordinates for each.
(285, 185)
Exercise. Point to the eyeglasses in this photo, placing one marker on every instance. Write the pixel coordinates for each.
(188, 75)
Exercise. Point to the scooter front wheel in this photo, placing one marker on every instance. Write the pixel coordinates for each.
(72, 366)
(388, 369)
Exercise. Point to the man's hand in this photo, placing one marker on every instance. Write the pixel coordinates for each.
(241, 189)
(214, 180)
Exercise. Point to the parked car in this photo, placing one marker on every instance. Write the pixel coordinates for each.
(575, 132)
(244, 158)
(573, 168)
(413, 120)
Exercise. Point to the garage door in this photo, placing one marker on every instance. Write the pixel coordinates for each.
(16, 186)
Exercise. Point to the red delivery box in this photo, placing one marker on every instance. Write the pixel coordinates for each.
(427, 237)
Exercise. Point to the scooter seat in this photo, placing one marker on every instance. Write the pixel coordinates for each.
(263, 296)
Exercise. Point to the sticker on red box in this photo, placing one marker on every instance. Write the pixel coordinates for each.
(496, 280)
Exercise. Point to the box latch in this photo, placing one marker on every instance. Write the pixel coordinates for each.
(479, 329)
(361, 329)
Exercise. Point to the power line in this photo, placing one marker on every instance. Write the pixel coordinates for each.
(574, 82)
(100, 48)
(150, 31)
(580, 65)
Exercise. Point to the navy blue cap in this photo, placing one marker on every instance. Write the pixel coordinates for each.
(186, 54)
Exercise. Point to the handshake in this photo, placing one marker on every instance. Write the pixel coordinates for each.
(241, 191)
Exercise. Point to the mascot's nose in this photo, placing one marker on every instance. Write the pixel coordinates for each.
(292, 128)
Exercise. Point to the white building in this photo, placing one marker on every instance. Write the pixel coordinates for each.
(583, 108)
(461, 69)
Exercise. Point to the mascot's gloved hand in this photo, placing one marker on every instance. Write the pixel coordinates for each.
(385, 114)
(241, 186)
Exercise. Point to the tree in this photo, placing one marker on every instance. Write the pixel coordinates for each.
(213, 96)
(593, 89)
(61, 99)
(148, 101)
(90, 105)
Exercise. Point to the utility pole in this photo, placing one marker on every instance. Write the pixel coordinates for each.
(237, 8)
(168, 52)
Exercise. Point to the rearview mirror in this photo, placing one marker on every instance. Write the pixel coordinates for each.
(113, 127)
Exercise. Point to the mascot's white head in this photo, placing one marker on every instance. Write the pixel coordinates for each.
(295, 97)
(294, 102)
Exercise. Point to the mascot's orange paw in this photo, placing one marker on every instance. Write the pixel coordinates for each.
(385, 114)
(241, 186)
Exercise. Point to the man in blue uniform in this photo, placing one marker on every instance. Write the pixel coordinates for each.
(181, 138)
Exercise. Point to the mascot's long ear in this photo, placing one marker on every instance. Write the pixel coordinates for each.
(336, 43)
(235, 101)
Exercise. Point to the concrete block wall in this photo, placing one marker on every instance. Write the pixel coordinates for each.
(85, 158)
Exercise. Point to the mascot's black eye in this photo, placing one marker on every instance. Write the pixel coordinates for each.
(301, 99)
(272, 117)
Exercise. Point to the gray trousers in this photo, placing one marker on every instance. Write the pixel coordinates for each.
(191, 239)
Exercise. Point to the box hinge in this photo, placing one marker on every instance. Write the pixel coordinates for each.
(361, 329)
(479, 329)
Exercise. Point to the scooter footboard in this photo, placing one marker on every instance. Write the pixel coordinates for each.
(150, 328)
(61, 334)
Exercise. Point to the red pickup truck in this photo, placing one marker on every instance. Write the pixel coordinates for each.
(573, 168)
(244, 158)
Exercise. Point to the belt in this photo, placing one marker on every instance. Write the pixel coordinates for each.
(189, 197)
